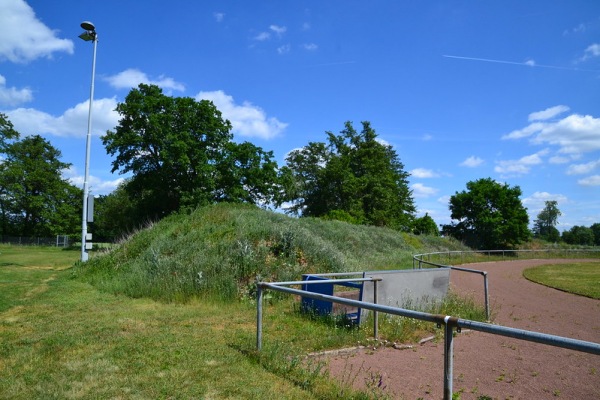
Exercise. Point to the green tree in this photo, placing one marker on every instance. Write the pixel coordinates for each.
(301, 178)
(596, 231)
(7, 132)
(115, 215)
(580, 235)
(489, 215)
(353, 177)
(544, 227)
(36, 200)
(181, 154)
(425, 225)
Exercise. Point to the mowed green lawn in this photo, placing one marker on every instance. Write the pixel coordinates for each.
(582, 278)
(25, 270)
(63, 339)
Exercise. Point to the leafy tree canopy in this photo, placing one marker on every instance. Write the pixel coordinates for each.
(580, 235)
(353, 177)
(115, 215)
(7, 132)
(181, 154)
(34, 198)
(489, 215)
(596, 231)
(544, 226)
(425, 226)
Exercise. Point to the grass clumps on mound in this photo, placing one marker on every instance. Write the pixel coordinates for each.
(217, 251)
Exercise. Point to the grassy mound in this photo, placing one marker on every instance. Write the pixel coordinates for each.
(218, 251)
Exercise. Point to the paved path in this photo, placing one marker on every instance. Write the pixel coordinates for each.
(491, 365)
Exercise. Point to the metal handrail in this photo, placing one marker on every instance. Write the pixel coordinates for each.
(449, 322)
(420, 259)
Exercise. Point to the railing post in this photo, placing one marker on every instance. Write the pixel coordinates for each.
(448, 359)
(487, 297)
(375, 313)
(259, 315)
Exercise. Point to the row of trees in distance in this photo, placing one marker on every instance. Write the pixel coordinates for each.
(180, 154)
(544, 227)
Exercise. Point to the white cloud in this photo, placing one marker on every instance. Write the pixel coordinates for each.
(131, 78)
(246, 119)
(530, 62)
(261, 37)
(423, 173)
(279, 30)
(537, 201)
(310, 46)
(12, 96)
(527, 131)
(444, 199)
(472, 162)
(521, 166)
(579, 169)
(592, 51)
(25, 38)
(578, 29)
(548, 113)
(593, 180)
(284, 49)
(421, 191)
(97, 185)
(219, 16)
(72, 122)
(574, 135)
(559, 160)
(383, 142)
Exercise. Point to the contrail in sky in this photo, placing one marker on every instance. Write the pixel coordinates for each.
(526, 63)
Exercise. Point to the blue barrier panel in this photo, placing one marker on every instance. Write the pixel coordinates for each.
(319, 306)
(326, 307)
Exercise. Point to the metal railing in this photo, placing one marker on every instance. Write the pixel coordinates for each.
(450, 324)
(419, 260)
(486, 294)
(502, 254)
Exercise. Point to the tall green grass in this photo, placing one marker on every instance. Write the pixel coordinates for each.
(61, 338)
(66, 340)
(218, 251)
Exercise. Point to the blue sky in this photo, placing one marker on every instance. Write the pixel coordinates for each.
(462, 90)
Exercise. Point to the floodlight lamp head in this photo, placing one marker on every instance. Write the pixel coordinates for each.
(88, 36)
(88, 26)
(90, 31)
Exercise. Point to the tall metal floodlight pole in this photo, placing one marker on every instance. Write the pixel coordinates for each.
(89, 35)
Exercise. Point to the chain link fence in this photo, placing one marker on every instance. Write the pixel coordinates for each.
(58, 241)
